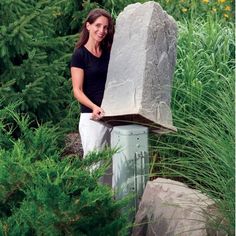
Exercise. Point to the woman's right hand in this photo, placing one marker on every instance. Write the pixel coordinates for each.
(98, 113)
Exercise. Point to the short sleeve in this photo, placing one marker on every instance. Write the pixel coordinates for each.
(77, 59)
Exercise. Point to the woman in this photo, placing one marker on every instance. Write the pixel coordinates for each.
(89, 66)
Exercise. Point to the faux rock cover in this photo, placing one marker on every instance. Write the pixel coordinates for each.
(142, 65)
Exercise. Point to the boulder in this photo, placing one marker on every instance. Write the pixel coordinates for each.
(171, 208)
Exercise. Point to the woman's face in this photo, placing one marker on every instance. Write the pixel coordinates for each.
(98, 29)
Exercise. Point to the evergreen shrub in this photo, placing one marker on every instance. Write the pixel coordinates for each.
(34, 60)
(42, 193)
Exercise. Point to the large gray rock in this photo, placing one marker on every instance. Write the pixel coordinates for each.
(141, 66)
(170, 208)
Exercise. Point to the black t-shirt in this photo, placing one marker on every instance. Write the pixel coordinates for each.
(95, 73)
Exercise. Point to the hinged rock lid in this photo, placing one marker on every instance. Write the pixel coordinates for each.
(141, 66)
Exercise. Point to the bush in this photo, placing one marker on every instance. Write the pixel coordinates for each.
(34, 60)
(42, 193)
(189, 9)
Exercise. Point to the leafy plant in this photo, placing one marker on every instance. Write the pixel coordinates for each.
(42, 193)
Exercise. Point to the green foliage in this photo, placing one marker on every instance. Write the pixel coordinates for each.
(71, 15)
(34, 60)
(116, 6)
(190, 9)
(183, 9)
(42, 193)
(205, 60)
(201, 152)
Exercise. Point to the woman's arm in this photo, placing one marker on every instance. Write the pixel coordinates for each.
(77, 76)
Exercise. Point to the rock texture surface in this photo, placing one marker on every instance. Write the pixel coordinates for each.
(142, 64)
(73, 145)
(171, 208)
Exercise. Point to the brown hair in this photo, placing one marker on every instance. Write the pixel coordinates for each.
(91, 18)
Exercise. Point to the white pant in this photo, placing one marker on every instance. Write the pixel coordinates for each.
(94, 134)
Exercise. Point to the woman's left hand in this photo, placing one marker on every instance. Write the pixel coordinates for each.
(98, 113)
